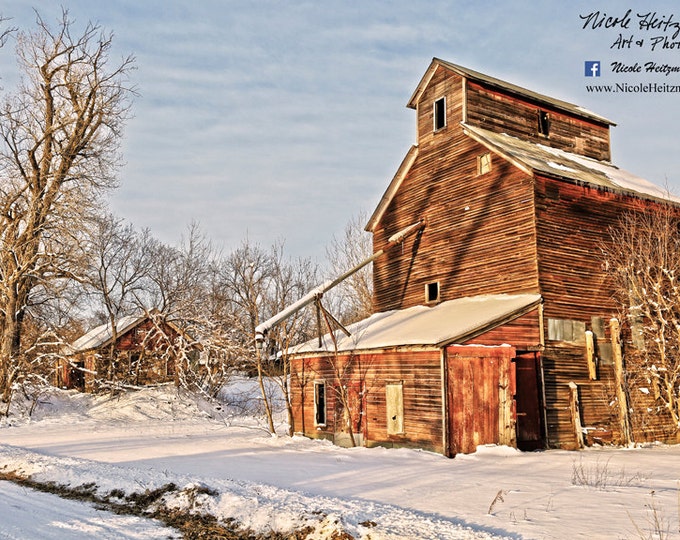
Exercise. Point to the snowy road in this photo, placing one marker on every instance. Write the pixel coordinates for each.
(148, 439)
(30, 515)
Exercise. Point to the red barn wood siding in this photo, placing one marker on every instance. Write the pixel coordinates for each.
(479, 392)
(444, 84)
(496, 111)
(650, 420)
(564, 363)
(152, 368)
(418, 370)
(480, 389)
(573, 224)
(479, 236)
(524, 333)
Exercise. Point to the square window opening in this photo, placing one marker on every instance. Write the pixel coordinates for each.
(566, 330)
(432, 292)
(440, 114)
(484, 163)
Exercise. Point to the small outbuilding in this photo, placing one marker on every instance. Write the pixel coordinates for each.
(389, 381)
(138, 351)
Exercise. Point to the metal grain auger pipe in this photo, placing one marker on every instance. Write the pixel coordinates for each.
(317, 292)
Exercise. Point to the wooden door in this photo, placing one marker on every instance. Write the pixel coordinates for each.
(473, 403)
(528, 402)
(480, 389)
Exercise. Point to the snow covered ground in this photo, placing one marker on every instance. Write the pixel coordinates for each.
(148, 439)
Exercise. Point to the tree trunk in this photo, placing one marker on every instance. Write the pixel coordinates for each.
(10, 344)
(265, 397)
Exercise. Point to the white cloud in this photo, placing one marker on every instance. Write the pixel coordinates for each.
(284, 119)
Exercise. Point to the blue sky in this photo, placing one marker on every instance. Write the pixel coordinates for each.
(280, 120)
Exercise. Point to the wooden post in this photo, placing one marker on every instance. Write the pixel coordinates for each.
(506, 423)
(576, 414)
(624, 421)
(590, 355)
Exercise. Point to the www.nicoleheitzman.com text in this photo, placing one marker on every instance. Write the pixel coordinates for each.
(634, 88)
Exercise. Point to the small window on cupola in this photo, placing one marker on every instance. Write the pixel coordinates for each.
(440, 114)
(543, 123)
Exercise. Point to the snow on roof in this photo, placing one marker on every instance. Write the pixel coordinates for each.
(554, 161)
(442, 324)
(99, 336)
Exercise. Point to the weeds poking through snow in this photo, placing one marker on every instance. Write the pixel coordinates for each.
(498, 498)
(601, 477)
(658, 526)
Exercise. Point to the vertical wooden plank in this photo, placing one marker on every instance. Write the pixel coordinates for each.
(506, 426)
(470, 405)
(590, 355)
(624, 421)
(575, 409)
(394, 396)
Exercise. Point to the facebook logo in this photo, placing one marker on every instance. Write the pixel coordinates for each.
(592, 68)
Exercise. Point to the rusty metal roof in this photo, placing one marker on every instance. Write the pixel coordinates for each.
(539, 158)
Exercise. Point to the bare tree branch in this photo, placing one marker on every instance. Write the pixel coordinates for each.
(59, 139)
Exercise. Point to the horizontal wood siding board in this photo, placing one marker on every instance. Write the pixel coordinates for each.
(420, 373)
(565, 364)
(493, 110)
(443, 84)
(479, 236)
(573, 224)
(523, 333)
(650, 419)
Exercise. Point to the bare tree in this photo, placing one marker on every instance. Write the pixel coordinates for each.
(179, 275)
(352, 299)
(118, 263)
(5, 32)
(259, 284)
(245, 276)
(116, 274)
(186, 292)
(290, 280)
(643, 262)
(59, 140)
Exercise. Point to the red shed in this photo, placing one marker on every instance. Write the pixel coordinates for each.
(140, 354)
(389, 381)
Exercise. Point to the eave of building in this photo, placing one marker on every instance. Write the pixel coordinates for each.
(392, 189)
(533, 158)
(505, 87)
(425, 327)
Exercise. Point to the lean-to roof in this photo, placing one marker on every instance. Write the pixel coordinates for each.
(455, 321)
